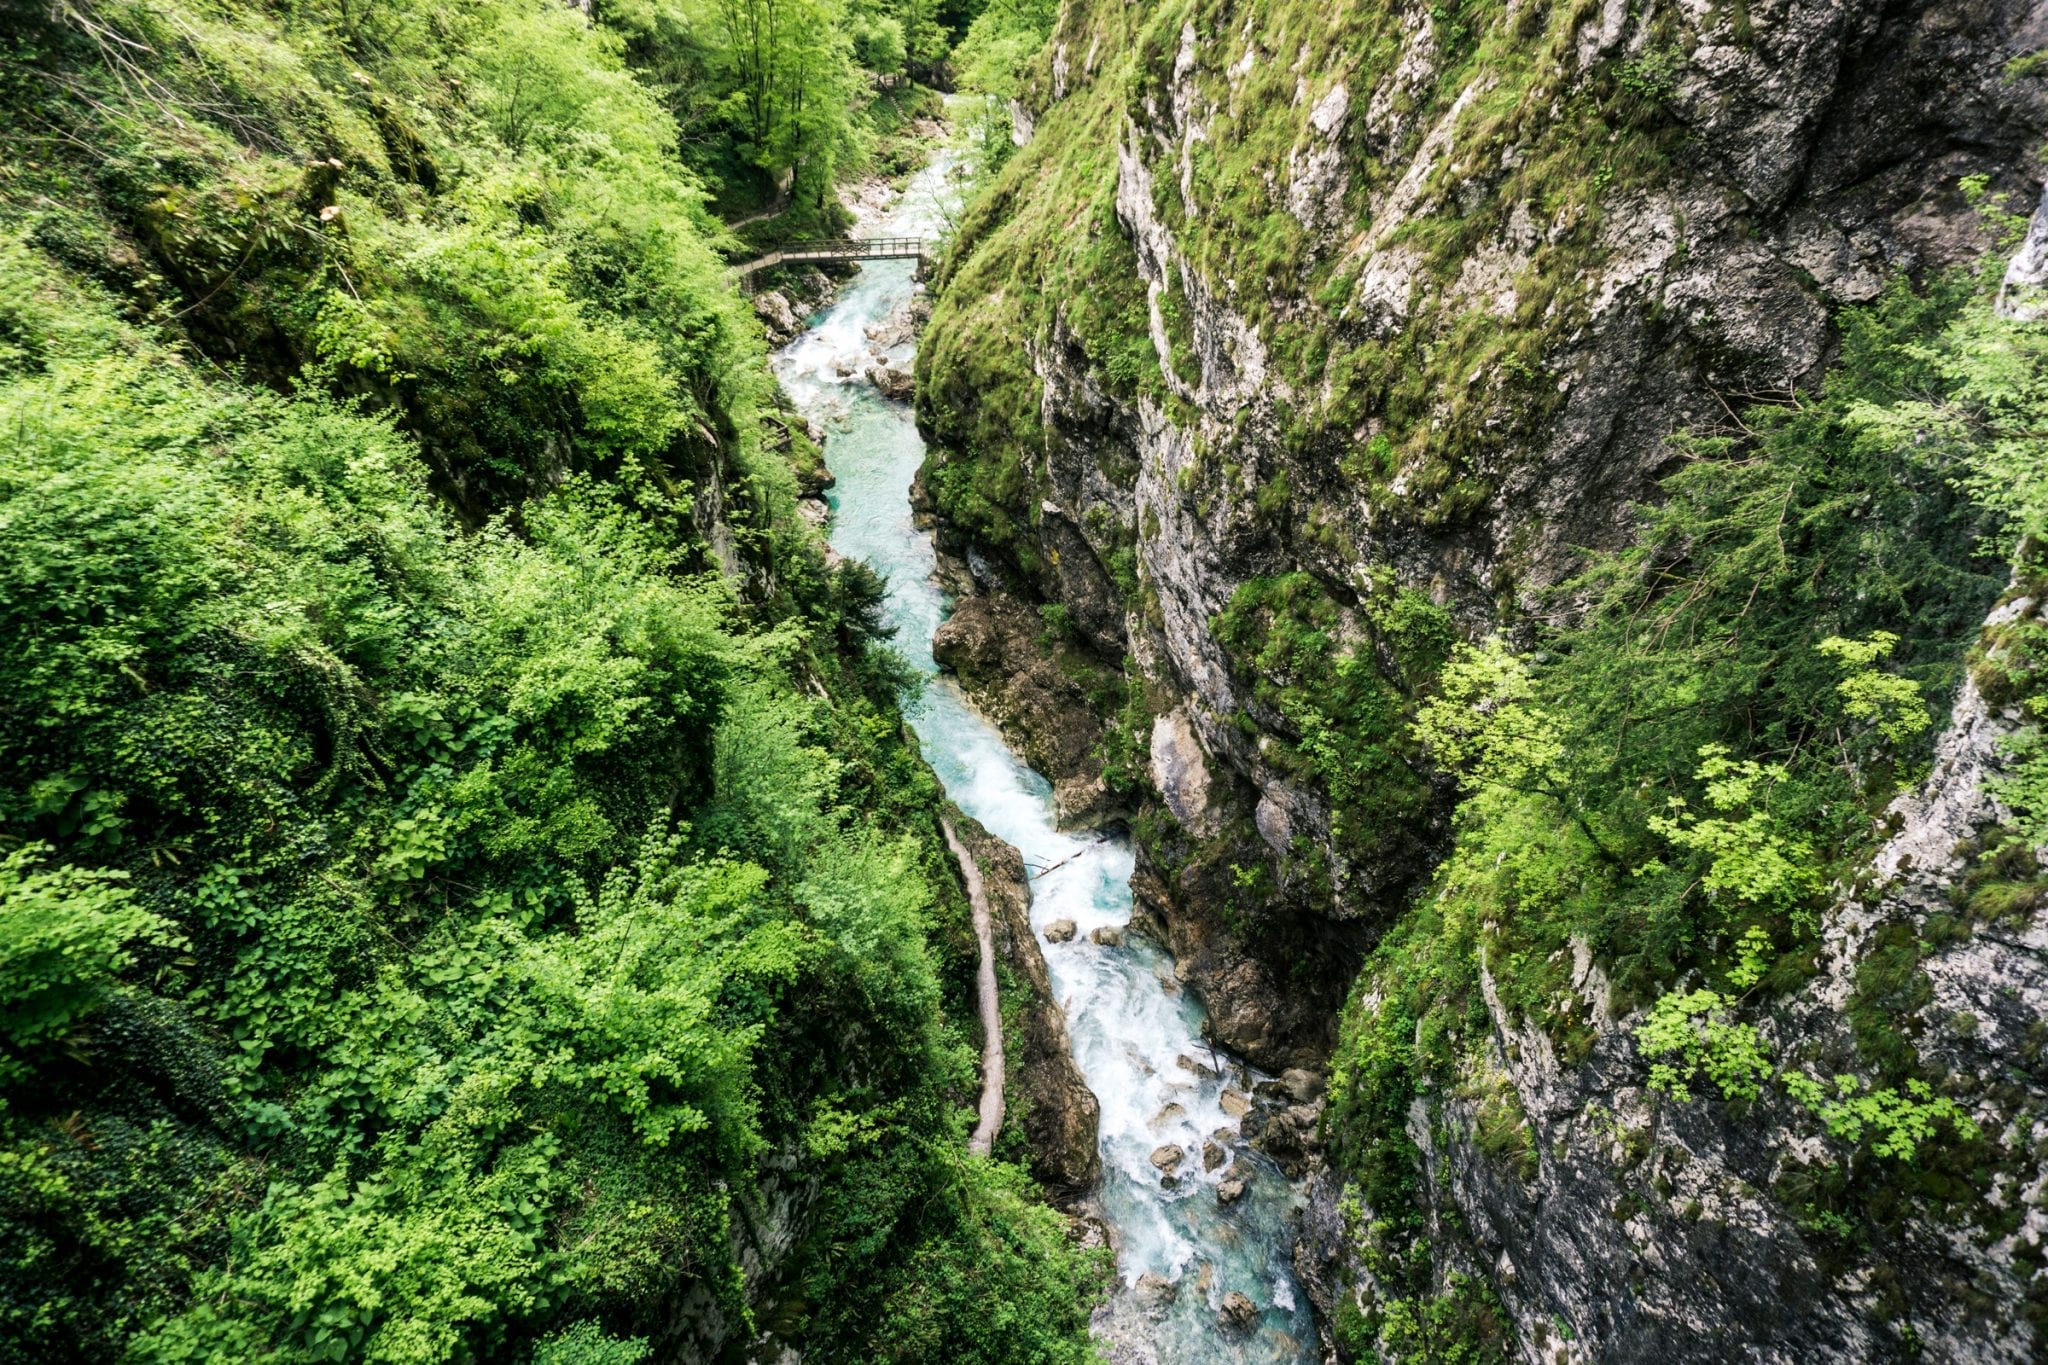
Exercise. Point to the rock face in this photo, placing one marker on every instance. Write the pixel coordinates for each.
(1797, 154)
(1030, 680)
(1685, 1233)
(891, 382)
(1046, 1098)
(773, 1217)
(778, 320)
(1364, 325)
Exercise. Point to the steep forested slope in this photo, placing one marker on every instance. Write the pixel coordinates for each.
(464, 889)
(1542, 474)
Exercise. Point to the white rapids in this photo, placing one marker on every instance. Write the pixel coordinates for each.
(1137, 1036)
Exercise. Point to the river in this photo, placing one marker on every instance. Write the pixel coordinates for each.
(1131, 1027)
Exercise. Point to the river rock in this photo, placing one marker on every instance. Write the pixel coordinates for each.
(1059, 931)
(892, 331)
(1238, 1311)
(1235, 1103)
(1168, 1157)
(1213, 1155)
(777, 318)
(1146, 923)
(1085, 801)
(1107, 936)
(1168, 1113)
(1153, 1291)
(892, 383)
(1230, 1191)
(1306, 1087)
(1272, 1131)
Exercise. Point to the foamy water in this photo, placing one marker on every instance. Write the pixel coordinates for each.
(1136, 1034)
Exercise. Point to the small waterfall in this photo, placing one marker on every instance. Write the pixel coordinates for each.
(1137, 1036)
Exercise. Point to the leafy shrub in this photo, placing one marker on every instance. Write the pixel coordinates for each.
(66, 933)
(429, 909)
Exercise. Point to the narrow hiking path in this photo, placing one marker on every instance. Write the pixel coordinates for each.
(985, 988)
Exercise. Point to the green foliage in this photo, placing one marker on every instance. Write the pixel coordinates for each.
(878, 44)
(1485, 721)
(991, 60)
(1895, 1124)
(66, 933)
(1317, 669)
(588, 1344)
(772, 99)
(1890, 703)
(444, 861)
(1743, 853)
(1696, 1032)
(1463, 1325)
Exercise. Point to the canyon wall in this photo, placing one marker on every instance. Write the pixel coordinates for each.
(1293, 346)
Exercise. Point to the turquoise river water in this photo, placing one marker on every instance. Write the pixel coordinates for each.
(1130, 1024)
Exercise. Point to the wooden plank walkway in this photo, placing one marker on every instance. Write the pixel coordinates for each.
(848, 249)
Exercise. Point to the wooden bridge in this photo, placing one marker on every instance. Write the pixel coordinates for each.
(845, 249)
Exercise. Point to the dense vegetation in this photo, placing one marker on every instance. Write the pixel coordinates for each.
(1679, 760)
(464, 888)
(1684, 778)
(1675, 767)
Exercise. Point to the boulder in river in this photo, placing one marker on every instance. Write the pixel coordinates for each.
(1213, 1155)
(1230, 1191)
(1168, 1112)
(1059, 931)
(1108, 936)
(1168, 1157)
(1306, 1120)
(1238, 1312)
(1154, 1291)
(892, 382)
(1235, 1102)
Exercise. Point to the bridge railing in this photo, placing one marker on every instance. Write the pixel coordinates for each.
(841, 249)
(855, 247)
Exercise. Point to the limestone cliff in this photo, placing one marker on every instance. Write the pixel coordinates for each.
(1296, 344)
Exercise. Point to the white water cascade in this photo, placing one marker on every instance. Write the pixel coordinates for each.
(1137, 1036)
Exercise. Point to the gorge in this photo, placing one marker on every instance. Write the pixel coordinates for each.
(1390, 709)
(1135, 1034)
